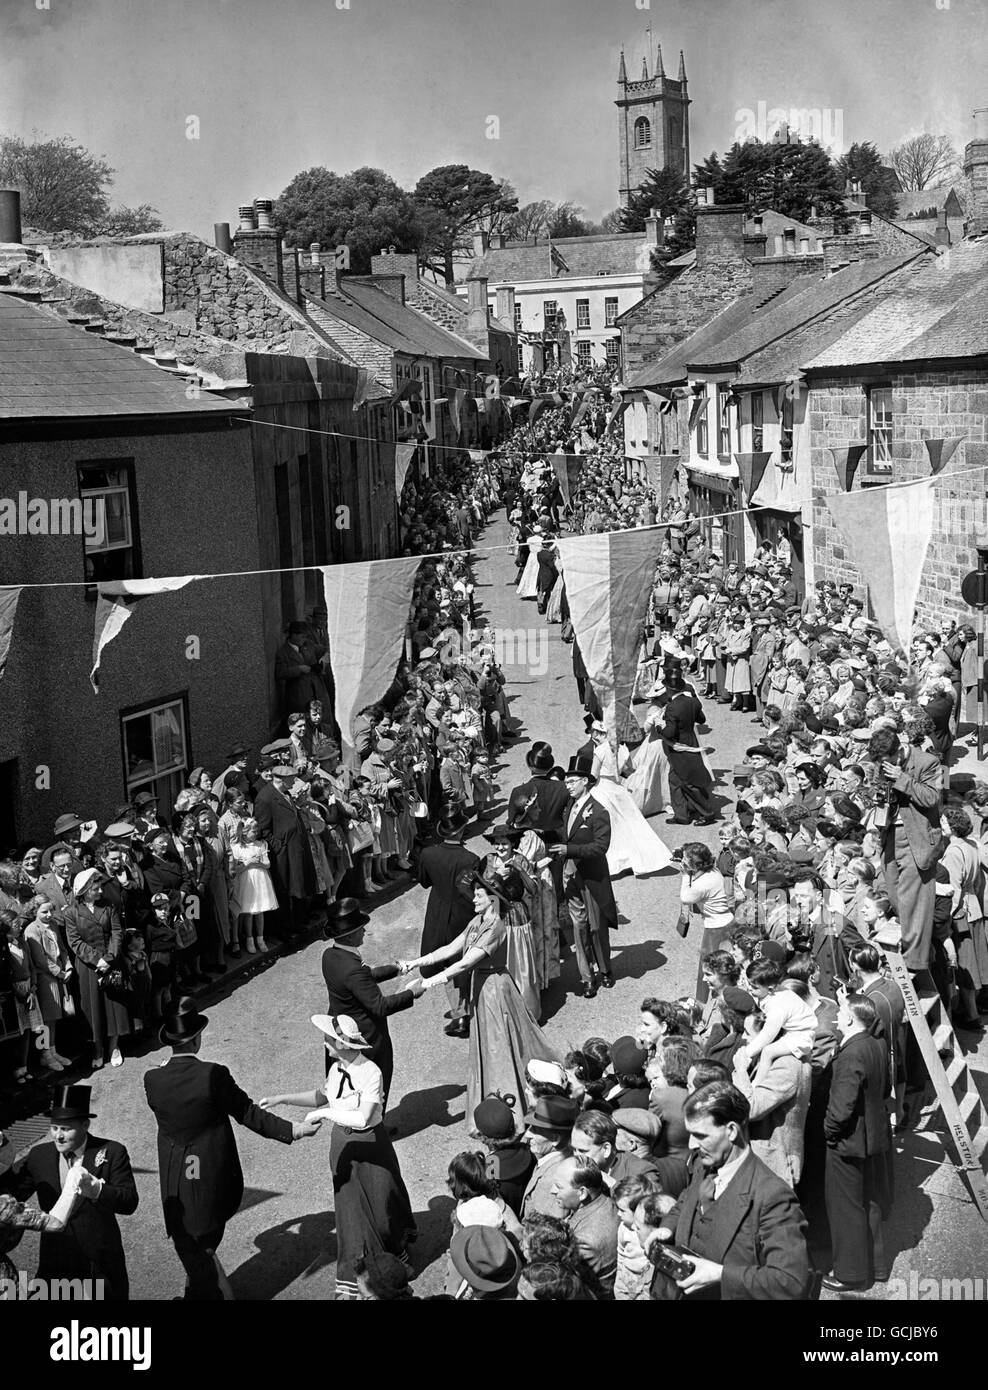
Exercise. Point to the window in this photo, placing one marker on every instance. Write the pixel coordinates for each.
(583, 313)
(880, 430)
(702, 440)
(550, 309)
(643, 134)
(610, 312)
(612, 351)
(156, 750)
(785, 428)
(114, 551)
(723, 422)
(757, 426)
(583, 354)
(517, 317)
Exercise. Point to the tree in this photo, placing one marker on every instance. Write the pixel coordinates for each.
(529, 222)
(862, 163)
(788, 176)
(365, 209)
(566, 219)
(663, 190)
(923, 161)
(124, 221)
(62, 186)
(612, 221)
(454, 201)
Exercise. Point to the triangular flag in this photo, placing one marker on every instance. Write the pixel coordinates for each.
(8, 610)
(404, 453)
(536, 409)
(699, 403)
(661, 471)
(888, 532)
(846, 459)
(409, 388)
(367, 613)
(113, 609)
(567, 468)
(663, 404)
(608, 581)
(615, 415)
(941, 451)
(363, 387)
(752, 467)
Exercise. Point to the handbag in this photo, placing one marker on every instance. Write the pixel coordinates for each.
(359, 836)
(68, 1003)
(112, 979)
(683, 922)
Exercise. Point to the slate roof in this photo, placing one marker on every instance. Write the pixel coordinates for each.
(617, 253)
(914, 200)
(362, 347)
(940, 309)
(50, 369)
(444, 306)
(671, 368)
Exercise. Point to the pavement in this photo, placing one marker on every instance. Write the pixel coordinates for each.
(281, 1244)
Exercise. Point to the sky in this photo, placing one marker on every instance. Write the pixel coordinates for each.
(279, 86)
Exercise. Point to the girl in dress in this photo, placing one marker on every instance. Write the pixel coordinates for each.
(253, 892)
(25, 1002)
(648, 782)
(634, 844)
(529, 579)
(504, 1036)
(52, 968)
(371, 1204)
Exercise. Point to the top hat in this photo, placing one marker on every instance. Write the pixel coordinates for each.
(553, 1116)
(581, 765)
(71, 1103)
(452, 823)
(344, 916)
(485, 1258)
(184, 1023)
(540, 760)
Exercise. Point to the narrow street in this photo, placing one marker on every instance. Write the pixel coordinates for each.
(281, 1243)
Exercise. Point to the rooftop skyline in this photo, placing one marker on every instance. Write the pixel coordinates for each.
(268, 91)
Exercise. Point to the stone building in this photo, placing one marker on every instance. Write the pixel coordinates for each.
(653, 124)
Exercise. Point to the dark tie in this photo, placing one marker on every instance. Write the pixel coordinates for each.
(707, 1193)
(345, 1082)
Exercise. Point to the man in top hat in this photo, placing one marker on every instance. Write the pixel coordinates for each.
(202, 1183)
(587, 879)
(690, 779)
(353, 987)
(548, 1128)
(292, 869)
(448, 911)
(545, 796)
(90, 1246)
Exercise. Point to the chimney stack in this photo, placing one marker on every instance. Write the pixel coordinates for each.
(392, 262)
(10, 216)
(976, 173)
(257, 243)
(652, 223)
(720, 233)
(942, 234)
(478, 313)
(290, 266)
(221, 237)
(480, 244)
(506, 305)
(311, 275)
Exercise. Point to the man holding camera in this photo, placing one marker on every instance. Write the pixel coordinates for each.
(738, 1229)
(907, 816)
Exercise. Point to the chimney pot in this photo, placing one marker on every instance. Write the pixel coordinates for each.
(981, 123)
(248, 222)
(758, 222)
(10, 216)
(222, 238)
(864, 222)
(804, 246)
(264, 207)
(778, 244)
(789, 233)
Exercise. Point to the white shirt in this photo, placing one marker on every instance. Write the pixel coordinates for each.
(76, 1155)
(577, 808)
(726, 1175)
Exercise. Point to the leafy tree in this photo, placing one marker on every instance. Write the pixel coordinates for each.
(365, 209)
(612, 221)
(529, 222)
(454, 201)
(862, 163)
(62, 186)
(789, 176)
(663, 190)
(124, 221)
(924, 161)
(566, 219)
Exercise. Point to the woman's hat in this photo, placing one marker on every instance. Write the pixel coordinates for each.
(184, 1023)
(598, 727)
(344, 916)
(738, 999)
(70, 821)
(552, 1072)
(84, 880)
(656, 689)
(494, 1118)
(580, 765)
(504, 834)
(195, 776)
(341, 1028)
(485, 1258)
(71, 1103)
(627, 1057)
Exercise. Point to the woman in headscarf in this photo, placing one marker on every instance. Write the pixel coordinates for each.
(94, 936)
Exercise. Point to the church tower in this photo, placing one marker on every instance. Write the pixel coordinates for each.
(653, 124)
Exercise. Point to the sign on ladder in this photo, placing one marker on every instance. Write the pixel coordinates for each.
(956, 1089)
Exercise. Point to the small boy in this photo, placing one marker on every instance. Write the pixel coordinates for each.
(790, 1023)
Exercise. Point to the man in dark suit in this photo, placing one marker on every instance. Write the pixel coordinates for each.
(741, 1224)
(448, 911)
(588, 892)
(912, 841)
(858, 1182)
(202, 1182)
(689, 777)
(353, 986)
(292, 869)
(90, 1246)
(545, 798)
(829, 935)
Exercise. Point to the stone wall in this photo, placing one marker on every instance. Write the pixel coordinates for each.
(678, 308)
(928, 405)
(225, 299)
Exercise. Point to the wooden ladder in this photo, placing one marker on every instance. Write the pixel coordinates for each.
(957, 1092)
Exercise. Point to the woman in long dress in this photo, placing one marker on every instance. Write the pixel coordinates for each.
(634, 844)
(93, 931)
(648, 782)
(372, 1206)
(532, 861)
(529, 579)
(504, 1037)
